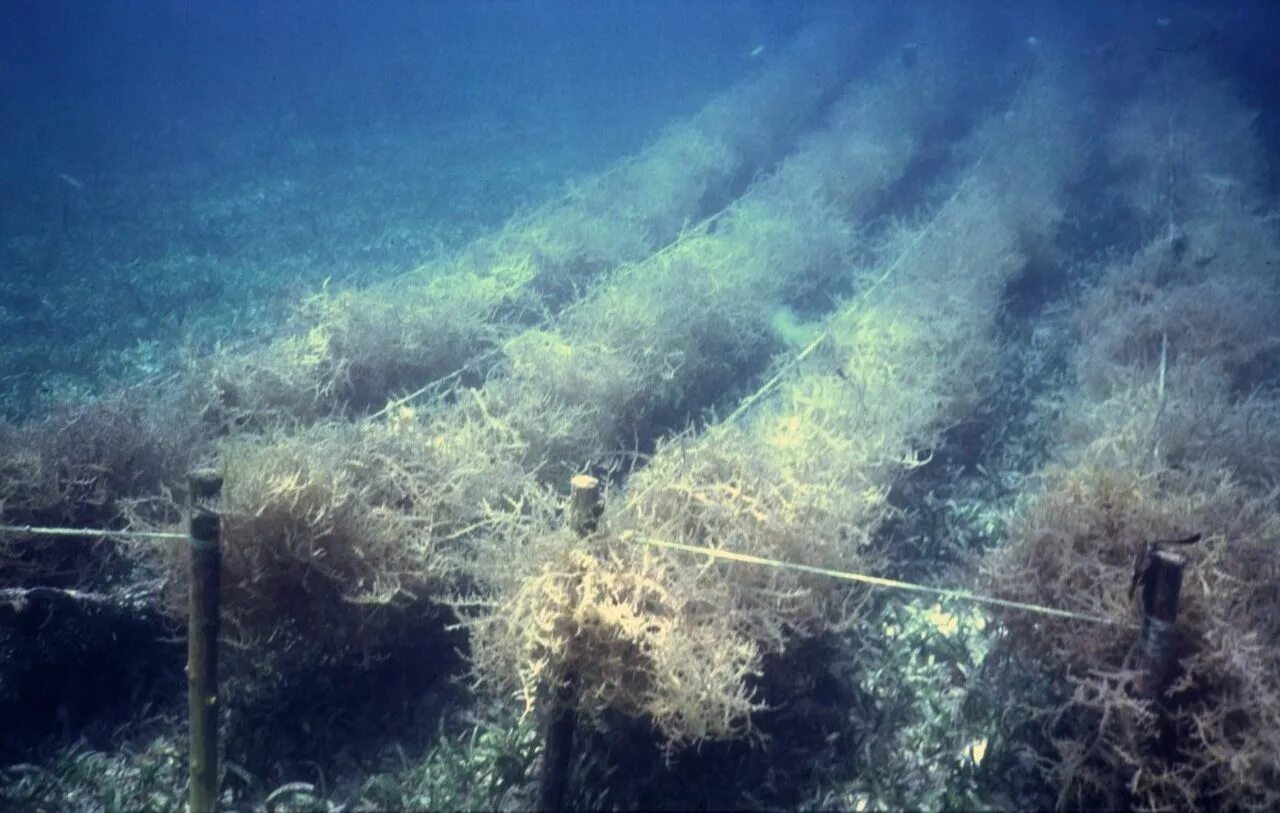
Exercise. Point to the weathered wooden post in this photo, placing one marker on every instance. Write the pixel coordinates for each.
(1158, 645)
(202, 639)
(585, 507)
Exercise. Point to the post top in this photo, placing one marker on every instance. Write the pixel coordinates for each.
(582, 482)
(205, 484)
(1170, 558)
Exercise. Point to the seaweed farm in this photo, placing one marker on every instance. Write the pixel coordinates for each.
(854, 406)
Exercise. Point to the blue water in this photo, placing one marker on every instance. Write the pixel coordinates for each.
(155, 154)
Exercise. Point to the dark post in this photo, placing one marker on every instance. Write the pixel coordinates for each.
(585, 507)
(1161, 588)
(202, 639)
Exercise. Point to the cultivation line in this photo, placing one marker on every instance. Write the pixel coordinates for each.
(718, 553)
(697, 230)
(572, 191)
(753, 193)
(420, 391)
(794, 361)
(875, 581)
(687, 233)
(33, 530)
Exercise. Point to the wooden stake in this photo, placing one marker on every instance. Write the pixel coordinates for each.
(585, 507)
(1161, 589)
(557, 752)
(202, 639)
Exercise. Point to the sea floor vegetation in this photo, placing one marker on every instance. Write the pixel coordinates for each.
(991, 329)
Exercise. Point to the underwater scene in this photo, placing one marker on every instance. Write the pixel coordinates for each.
(639, 405)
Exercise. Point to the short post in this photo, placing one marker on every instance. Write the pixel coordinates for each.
(202, 639)
(585, 507)
(1161, 589)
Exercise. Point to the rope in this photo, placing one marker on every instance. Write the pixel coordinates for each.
(874, 581)
(863, 294)
(33, 530)
(445, 379)
(700, 228)
(575, 189)
(795, 361)
(685, 235)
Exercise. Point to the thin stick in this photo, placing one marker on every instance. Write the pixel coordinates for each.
(202, 640)
(1160, 398)
(585, 507)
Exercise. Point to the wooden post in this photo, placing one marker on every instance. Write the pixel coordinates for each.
(202, 639)
(1161, 589)
(585, 507)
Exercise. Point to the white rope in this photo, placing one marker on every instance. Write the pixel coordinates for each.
(874, 581)
(99, 533)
